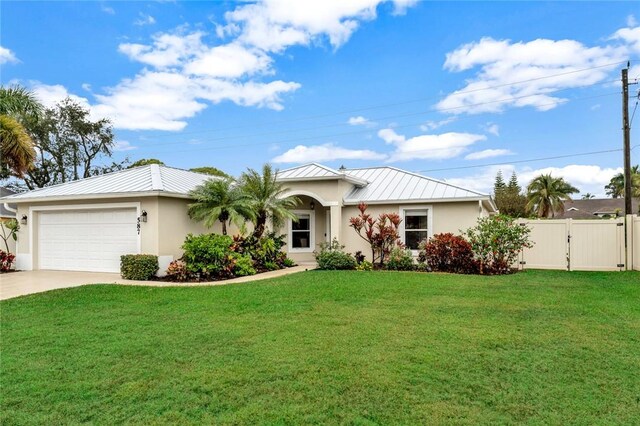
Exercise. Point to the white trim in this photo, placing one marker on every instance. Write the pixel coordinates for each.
(51, 198)
(322, 201)
(354, 202)
(327, 226)
(312, 232)
(34, 209)
(403, 209)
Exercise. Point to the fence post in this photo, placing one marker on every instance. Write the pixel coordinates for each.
(629, 223)
(569, 221)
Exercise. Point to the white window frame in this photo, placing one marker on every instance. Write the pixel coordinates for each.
(312, 232)
(402, 229)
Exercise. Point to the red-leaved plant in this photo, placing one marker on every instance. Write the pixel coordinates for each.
(382, 233)
(6, 261)
(448, 253)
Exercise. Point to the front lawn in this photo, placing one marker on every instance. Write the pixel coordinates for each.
(329, 347)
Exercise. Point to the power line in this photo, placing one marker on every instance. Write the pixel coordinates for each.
(578, 154)
(367, 108)
(335, 134)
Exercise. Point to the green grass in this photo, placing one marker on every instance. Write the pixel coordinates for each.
(329, 347)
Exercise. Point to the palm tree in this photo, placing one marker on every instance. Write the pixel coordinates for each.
(16, 147)
(546, 195)
(615, 187)
(220, 200)
(267, 198)
(588, 196)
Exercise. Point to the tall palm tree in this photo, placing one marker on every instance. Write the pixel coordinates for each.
(16, 147)
(220, 200)
(615, 187)
(267, 198)
(546, 195)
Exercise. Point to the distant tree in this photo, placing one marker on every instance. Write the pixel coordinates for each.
(213, 171)
(17, 153)
(588, 196)
(220, 200)
(508, 197)
(268, 198)
(70, 146)
(615, 187)
(546, 195)
(145, 162)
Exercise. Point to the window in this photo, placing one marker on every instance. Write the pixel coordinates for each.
(416, 227)
(301, 232)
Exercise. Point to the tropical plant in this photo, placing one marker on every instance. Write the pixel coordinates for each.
(615, 187)
(9, 231)
(268, 199)
(6, 261)
(220, 200)
(382, 234)
(17, 153)
(546, 195)
(448, 253)
(588, 196)
(213, 171)
(400, 260)
(333, 257)
(496, 242)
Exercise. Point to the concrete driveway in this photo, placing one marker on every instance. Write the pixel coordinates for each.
(23, 283)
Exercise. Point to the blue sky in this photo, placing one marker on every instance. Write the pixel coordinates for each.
(424, 86)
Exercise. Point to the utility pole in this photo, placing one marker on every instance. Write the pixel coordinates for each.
(627, 140)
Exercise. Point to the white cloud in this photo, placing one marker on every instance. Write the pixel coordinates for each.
(492, 128)
(502, 62)
(432, 125)
(587, 178)
(487, 153)
(121, 146)
(325, 152)
(631, 21)
(595, 107)
(50, 95)
(229, 61)
(107, 9)
(167, 50)
(432, 147)
(7, 56)
(361, 121)
(145, 20)
(274, 25)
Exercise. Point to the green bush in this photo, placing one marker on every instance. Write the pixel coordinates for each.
(243, 265)
(141, 267)
(177, 271)
(364, 265)
(288, 263)
(209, 255)
(333, 257)
(400, 260)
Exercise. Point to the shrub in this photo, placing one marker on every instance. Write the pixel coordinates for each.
(265, 251)
(271, 266)
(141, 267)
(400, 260)
(448, 253)
(496, 242)
(382, 234)
(177, 271)
(208, 255)
(365, 265)
(6, 261)
(333, 257)
(288, 263)
(243, 265)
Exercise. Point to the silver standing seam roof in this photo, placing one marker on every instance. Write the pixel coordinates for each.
(383, 184)
(152, 178)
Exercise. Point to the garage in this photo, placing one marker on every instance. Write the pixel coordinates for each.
(86, 240)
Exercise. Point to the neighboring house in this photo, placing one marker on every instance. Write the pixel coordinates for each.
(86, 225)
(595, 208)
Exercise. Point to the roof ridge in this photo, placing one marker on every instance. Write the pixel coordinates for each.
(313, 163)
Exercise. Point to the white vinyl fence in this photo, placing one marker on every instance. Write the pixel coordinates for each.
(580, 245)
(635, 243)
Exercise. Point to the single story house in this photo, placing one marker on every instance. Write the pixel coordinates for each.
(596, 208)
(87, 224)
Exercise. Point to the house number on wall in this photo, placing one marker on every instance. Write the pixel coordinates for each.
(138, 225)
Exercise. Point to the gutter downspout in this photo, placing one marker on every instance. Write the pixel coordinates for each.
(12, 210)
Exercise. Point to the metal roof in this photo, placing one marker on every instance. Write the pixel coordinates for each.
(315, 171)
(392, 184)
(149, 178)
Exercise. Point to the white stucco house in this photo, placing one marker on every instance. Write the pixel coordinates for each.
(87, 224)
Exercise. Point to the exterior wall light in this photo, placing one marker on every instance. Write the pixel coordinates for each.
(312, 205)
(23, 219)
(143, 216)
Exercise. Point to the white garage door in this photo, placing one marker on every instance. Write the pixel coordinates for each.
(86, 240)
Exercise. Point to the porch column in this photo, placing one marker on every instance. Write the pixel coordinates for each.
(336, 222)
